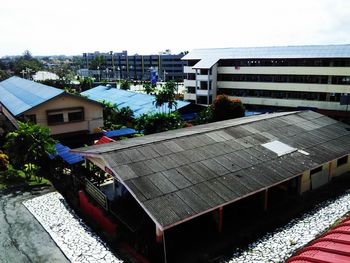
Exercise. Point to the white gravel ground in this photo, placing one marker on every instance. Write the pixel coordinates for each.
(281, 244)
(74, 238)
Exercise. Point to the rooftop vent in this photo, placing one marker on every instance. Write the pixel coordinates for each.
(279, 148)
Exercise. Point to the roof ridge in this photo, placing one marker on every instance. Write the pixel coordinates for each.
(184, 132)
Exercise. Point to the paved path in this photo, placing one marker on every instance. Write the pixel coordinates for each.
(22, 238)
(70, 233)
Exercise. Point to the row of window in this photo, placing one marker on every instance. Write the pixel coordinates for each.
(299, 95)
(338, 80)
(56, 117)
(285, 62)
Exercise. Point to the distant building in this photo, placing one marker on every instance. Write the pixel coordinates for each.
(62, 112)
(288, 76)
(137, 67)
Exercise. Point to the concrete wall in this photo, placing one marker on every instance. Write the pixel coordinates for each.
(336, 171)
(93, 115)
(283, 86)
(330, 168)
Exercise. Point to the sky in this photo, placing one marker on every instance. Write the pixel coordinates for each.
(71, 27)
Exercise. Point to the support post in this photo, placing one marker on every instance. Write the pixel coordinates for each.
(220, 219)
(265, 193)
(329, 171)
(159, 235)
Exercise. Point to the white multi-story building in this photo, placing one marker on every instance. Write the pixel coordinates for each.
(315, 76)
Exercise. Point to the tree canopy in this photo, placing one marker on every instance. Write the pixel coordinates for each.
(224, 108)
(124, 84)
(167, 95)
(30, 143)
(26, 63)
(158, 122)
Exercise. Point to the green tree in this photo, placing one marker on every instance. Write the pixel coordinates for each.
(86, 83)
(26, 63)
(148, 88)
(124, 84)
(4, 161)
(158, 122)
(114, 117)
(3, 75)
(99, 62)
(30, 144)
(204, 116)
(167, 95)
(224, 108)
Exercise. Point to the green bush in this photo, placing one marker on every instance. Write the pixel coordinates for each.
(224, 108)
(158, 122)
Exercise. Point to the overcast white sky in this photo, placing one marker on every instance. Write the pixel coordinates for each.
(52, 27)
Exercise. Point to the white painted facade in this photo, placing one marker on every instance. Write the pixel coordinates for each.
(300, 76)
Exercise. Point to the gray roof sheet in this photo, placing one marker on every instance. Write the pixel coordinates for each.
(180, 174)
(208, 57)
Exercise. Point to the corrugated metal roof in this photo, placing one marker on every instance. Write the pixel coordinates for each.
(20, 95)
(140, 103)
(208, 57)
(333, 247)
(180, 174)
(120, 132)
(64, 153)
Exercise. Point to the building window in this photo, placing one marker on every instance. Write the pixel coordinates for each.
(30, 118)
(55, 118)
(316, 170)
(76, 116)
(342, 161)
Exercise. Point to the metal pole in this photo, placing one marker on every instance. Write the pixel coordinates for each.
(164, 247)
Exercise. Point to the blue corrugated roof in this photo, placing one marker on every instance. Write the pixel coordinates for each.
(208, 57)
(64, 153)
(120, 132)
(140, 103)
(20, 95)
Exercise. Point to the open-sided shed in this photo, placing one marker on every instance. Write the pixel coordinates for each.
(178, 175)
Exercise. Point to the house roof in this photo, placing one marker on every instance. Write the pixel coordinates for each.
(334, 246)
(178, 175)
(208, 57)
(140, 103)
(20, 95)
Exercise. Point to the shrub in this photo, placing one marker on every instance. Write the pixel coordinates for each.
(158, 122)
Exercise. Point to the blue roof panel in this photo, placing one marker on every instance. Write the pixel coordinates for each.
(20, 95)
(140, 103)
(64, 153)
(121, 132)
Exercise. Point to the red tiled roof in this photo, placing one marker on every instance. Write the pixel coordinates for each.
(332, 247)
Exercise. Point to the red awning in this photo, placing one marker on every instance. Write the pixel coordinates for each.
(104, 139)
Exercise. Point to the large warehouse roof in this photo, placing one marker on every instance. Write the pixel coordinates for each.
(20, 95)
(208, 57)
(178, 175)
(140, 103)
